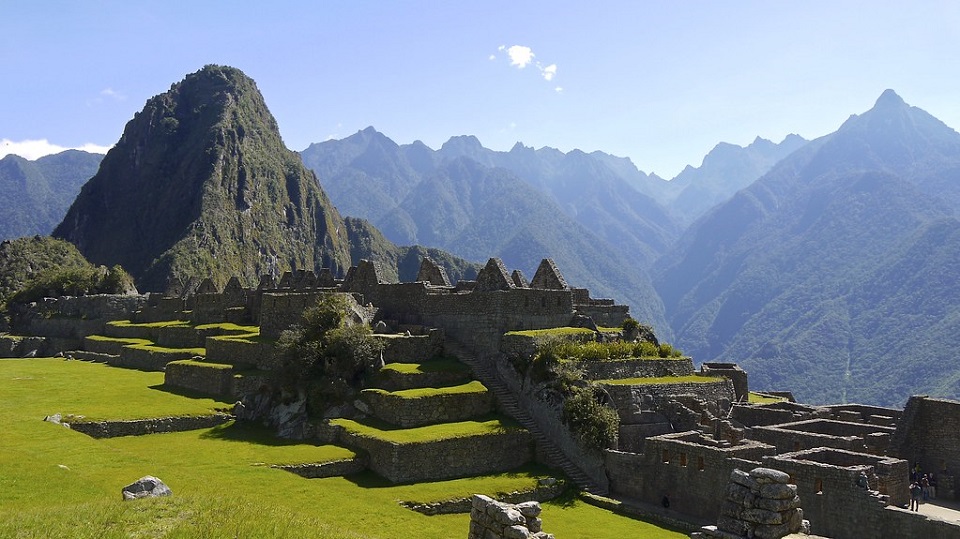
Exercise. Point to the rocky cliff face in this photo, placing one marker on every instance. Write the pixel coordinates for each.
(201, 184)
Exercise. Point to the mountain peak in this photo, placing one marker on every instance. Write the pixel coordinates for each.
(889, 99)
(461, 143)
(203, 165)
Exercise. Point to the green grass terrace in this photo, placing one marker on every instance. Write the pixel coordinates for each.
(56, 482)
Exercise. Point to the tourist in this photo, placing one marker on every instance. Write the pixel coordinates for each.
(915, 492)
(862, 480)
(925, 487)
(932, 478)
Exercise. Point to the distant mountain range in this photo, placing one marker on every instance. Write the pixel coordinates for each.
(34, 195)
(522, 206)
(836, 273)
(826, 267)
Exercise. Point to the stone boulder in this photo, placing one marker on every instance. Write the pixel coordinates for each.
(146, 487)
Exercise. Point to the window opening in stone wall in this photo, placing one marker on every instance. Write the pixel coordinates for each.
(683, 459)
(700, 465)
(559, 301)
(666, 456)
(819, 486)
(543, 302)
(796, 446)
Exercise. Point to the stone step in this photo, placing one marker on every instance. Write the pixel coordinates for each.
(437, 373)
(426, 406)
(507, 404)
(437, 452)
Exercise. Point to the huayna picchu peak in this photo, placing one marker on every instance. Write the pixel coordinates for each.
(201, 184)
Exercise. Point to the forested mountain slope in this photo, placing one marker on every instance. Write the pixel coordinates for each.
(834, 275)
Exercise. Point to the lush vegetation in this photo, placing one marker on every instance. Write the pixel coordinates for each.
(594, 424)
(35, 195)
(200, 466)
(603, 351)
(79, 281)
(22, 260)
(326, 356)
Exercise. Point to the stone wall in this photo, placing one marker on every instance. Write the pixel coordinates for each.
(19, 346)
(688, 468)
(490, 519)
(243, 353)
(834, 504)
(548, 418)
(139, 427)
(411, 348)
(547, 489)
(802, 435)
(760, 504)
(209, 379)
(928, 435)
(146, 359)
(625, 396)
(336, 468)
(776, 413)
(444, 459)
(635, 368)
(427, 410)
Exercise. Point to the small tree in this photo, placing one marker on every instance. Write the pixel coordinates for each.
(326, 356)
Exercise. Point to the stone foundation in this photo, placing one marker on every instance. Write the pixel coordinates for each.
(139, 427)
(490, 519)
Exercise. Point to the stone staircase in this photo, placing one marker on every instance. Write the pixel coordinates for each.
(507, 403)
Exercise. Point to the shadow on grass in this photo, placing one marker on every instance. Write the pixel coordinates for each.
(189, 393)
(247, 433)
(369, 479)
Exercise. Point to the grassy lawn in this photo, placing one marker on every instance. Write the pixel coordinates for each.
(442, 431)
(163, 324)
(758, 398)
(468, 388)
(553, 332)
(437, 365)
(55, 482)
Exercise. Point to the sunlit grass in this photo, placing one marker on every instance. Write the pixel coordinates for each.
(473, 387)
(443, 431)
(759, 398)
(55, 482)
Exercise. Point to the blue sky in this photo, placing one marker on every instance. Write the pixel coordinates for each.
(659, 82)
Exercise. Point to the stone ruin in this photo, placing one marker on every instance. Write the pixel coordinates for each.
(760, 504)
(490, 519)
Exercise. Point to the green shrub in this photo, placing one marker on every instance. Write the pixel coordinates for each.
(326, 357)
(630, 325)
(76, 281)
(595, 426)
(602, 351)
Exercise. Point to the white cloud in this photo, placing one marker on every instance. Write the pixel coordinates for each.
(520, 56)
(34, 149)
(548, 72)
(113, 94)
(558, 89)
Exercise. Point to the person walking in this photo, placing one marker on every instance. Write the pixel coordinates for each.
(915, 493)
